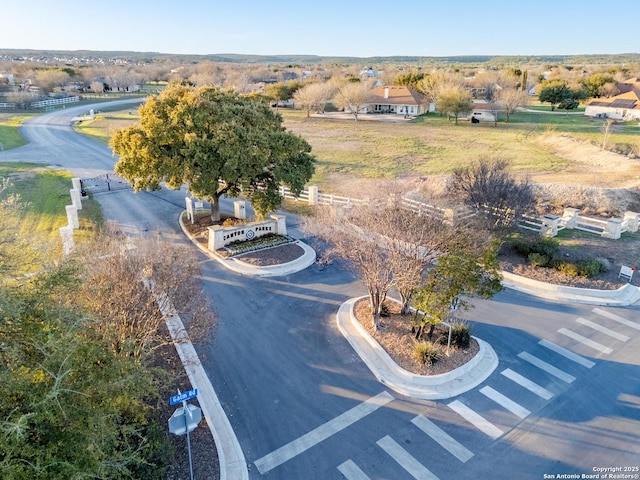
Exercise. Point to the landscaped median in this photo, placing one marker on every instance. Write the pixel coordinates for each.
(428, 387)
(623, 296)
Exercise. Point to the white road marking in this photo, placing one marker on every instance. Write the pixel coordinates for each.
(528, 384)
(515, 408)
(305, 442)
(585, 341)
(550, 369)
(443, 438)
(405, 459)
(616, 318)
(601, 329)
(476, 419)
(579, 359)
(351, 471)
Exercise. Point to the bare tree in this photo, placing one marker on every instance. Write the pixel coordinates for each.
(511, 99)
(49, 79)
(129, 315)
(353, 97)
(313, 96)
(492, 192)
(606, 132)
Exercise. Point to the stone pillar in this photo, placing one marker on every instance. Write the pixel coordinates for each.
(189, 205)
(67, 239)
(281, 224)
(77, 183)
(313, 194)
(549, 226)
(570, 218)
(449, 216)
(75, 198)
(613, 229)
(216, 239)
(72, 216)
(240, 209)
(632, 219)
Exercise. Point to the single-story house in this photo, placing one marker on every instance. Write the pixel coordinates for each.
(624, 106)
(400, 100)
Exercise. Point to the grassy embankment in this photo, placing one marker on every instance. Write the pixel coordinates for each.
(44, 194)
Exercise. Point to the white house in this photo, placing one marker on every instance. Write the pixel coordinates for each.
(624, 106)
(400, 100)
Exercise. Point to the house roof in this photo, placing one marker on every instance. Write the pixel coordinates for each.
(397, 95)
(629, 100)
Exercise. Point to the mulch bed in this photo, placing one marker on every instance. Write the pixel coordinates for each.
(396, 339)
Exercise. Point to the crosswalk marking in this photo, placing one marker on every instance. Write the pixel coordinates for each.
(351, 471)
(601, 329)
(405, 459)
(616, 318)
(443, 438)
(312, 438)
(585, 341)
(515, 408)
(579, 359)
(476, 419)
(550, 369)
(528, 384)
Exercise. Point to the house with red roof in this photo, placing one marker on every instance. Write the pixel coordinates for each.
(400, 100)
(624, 106)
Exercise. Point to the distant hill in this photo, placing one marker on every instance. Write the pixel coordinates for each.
(489, 60)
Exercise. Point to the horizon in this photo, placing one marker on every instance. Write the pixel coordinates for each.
(357, 29)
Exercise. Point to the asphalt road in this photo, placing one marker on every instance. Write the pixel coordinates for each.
(304, 406)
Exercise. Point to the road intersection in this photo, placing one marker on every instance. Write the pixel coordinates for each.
(564, 398)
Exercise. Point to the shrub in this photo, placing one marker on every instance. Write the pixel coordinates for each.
(546, 247)
(537, 260)
(461, 333)
(384, 310)
(568, 268)
(426, 352)
(591, 268)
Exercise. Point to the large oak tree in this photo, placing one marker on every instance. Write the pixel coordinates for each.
(216, 142)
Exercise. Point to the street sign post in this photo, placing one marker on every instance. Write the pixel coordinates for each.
(183, 396)
(185, 419)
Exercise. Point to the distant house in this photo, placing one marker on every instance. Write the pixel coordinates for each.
(397, 99)
(624, 106)
(483, 111)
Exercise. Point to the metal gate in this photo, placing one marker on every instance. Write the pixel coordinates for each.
(106, 182)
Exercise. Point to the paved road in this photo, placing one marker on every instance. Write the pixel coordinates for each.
(564, 399)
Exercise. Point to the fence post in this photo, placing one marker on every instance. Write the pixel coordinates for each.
(632, 219)
(72, 216)
(570, 218)
(313, 194)
(549, 227)
(613, 228)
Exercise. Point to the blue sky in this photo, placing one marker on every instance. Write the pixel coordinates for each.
(329, 28)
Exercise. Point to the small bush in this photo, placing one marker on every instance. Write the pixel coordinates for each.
(547, 247)
(591, 268)
(384, 310)
(461, 334)
(426, 352)
(568, 268)
(537, 260)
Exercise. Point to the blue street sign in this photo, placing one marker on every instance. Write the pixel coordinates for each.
(181, 397)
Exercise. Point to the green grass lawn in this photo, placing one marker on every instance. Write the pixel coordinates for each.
(44, 194)
(9, 131)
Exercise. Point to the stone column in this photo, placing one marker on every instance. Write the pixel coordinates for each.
(632, 219)
(76, 182)
(313, 195)
(75, 198)
(67, 239)
(281, 224)
(240, 209)
(549, 226)
(613, 229)
(72, 216)
(216, 239)
(570, 218)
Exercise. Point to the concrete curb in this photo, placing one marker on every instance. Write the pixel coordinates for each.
(308, 258)
(622, 297)
(435, 387)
